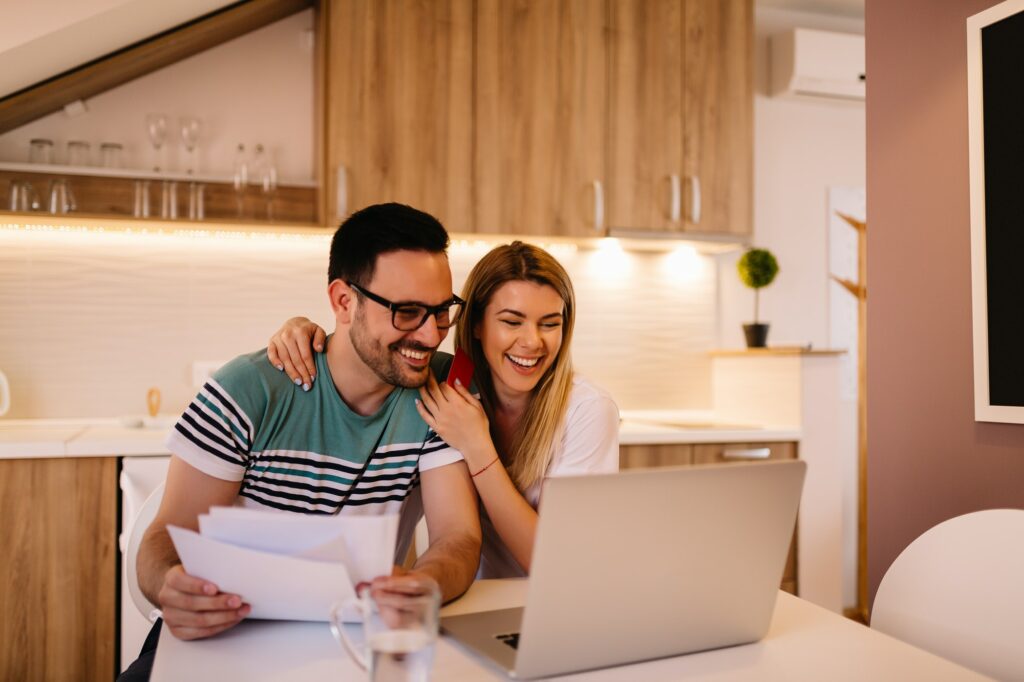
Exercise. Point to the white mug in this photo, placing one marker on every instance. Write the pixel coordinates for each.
(5, 395)
(400, 633)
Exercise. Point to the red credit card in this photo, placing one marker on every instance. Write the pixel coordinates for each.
(461, 369)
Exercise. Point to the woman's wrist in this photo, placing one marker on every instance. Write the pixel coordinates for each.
(474, 474)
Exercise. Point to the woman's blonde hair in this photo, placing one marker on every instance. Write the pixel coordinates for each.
(533, 443)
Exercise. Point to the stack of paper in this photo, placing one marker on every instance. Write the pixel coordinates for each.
(287, 566)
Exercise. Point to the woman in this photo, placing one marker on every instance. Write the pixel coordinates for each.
(534, 416)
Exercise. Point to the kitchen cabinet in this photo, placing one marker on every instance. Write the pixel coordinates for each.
(682, 454)
(680, 135)
(540, 116)
(543, 118)
(398, 98)
(58, 596)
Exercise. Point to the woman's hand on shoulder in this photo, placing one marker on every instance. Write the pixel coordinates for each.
(458, 417)
(290, 349)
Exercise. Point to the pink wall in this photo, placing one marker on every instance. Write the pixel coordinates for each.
(928, 460)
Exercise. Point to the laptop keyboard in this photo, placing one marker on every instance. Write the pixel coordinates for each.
(512, 639)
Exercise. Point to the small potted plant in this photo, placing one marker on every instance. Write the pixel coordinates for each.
(757, 268)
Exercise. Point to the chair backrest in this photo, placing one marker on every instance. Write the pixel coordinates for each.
(958, 591)
(139, 526)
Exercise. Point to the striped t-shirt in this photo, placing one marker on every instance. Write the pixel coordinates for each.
(303, 451)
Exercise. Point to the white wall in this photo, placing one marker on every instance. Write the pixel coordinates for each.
(800, 149)
(257, 88)
(89, 321)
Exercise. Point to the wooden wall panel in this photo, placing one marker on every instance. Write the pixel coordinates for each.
(60, 568)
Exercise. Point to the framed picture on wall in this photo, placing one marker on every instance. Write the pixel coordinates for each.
(995, 52)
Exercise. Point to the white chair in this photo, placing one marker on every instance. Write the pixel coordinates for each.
(958, 592)
(143, 519)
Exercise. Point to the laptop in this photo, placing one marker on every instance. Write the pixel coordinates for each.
(645, 564)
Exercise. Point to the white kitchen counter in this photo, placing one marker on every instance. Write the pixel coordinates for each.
(30, 438)
(27, 438)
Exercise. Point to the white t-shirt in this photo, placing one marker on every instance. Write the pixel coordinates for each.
(589, 445)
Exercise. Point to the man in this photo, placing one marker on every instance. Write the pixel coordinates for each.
(351, 444)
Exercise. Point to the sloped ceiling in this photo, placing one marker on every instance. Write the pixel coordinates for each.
(43, 38)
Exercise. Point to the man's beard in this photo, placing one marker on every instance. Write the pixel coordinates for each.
(384, 361)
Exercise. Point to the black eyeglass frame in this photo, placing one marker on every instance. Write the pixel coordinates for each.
(428, 310)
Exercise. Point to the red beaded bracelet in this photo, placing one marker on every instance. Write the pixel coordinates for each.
(485, 468)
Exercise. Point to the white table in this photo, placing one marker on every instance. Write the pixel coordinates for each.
(804, 642)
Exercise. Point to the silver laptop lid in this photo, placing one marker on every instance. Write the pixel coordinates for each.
(652, 563)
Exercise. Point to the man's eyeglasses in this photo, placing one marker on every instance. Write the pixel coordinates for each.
(408, 317)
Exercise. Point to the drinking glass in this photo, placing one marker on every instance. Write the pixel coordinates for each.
(156, 128)
(400, 633)
(141, 205)
(196, 208)
(169, 199)
(190, 130)
(265, 175)
(61, 198)
(78, 153)
(241, 178)
(110, 155)
(23, 196)
(40, 150)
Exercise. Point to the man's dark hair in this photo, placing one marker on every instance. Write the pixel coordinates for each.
(380, 229)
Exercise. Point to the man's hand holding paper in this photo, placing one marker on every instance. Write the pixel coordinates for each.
(286, 566)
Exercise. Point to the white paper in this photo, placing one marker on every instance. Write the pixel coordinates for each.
(277, 587)
(365, 544)
(287, 566)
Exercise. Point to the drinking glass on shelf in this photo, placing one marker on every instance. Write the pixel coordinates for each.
(23, 196)
(191, 127)
(141, 204)
(40, 150)
(265, 176)
(169, 199)
(240, 178)
(110, 154)
(156, 128)
(196, 208)
(78, 153)
(61, 198)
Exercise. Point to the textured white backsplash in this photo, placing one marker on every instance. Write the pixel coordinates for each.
(90, 321)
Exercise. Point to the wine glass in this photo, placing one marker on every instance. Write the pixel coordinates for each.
(156, 127)
(191, 126)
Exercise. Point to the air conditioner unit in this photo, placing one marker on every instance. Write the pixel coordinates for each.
(820, 64)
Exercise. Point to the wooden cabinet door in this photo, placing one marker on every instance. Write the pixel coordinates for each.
(540, 115)
(645, 104)
(718, 137)
(398, 89)
(60, 570)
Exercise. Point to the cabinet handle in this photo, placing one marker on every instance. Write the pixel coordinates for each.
(341, 203)
(675, 205)
(746, 453)
(695, 200)
(598, 206)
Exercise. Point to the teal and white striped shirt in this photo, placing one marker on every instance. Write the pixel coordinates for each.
(303, 451)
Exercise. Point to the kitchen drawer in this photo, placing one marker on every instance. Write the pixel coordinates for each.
(661, 455)
(729, 453)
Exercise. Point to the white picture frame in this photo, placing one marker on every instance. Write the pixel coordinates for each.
(985, 410)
